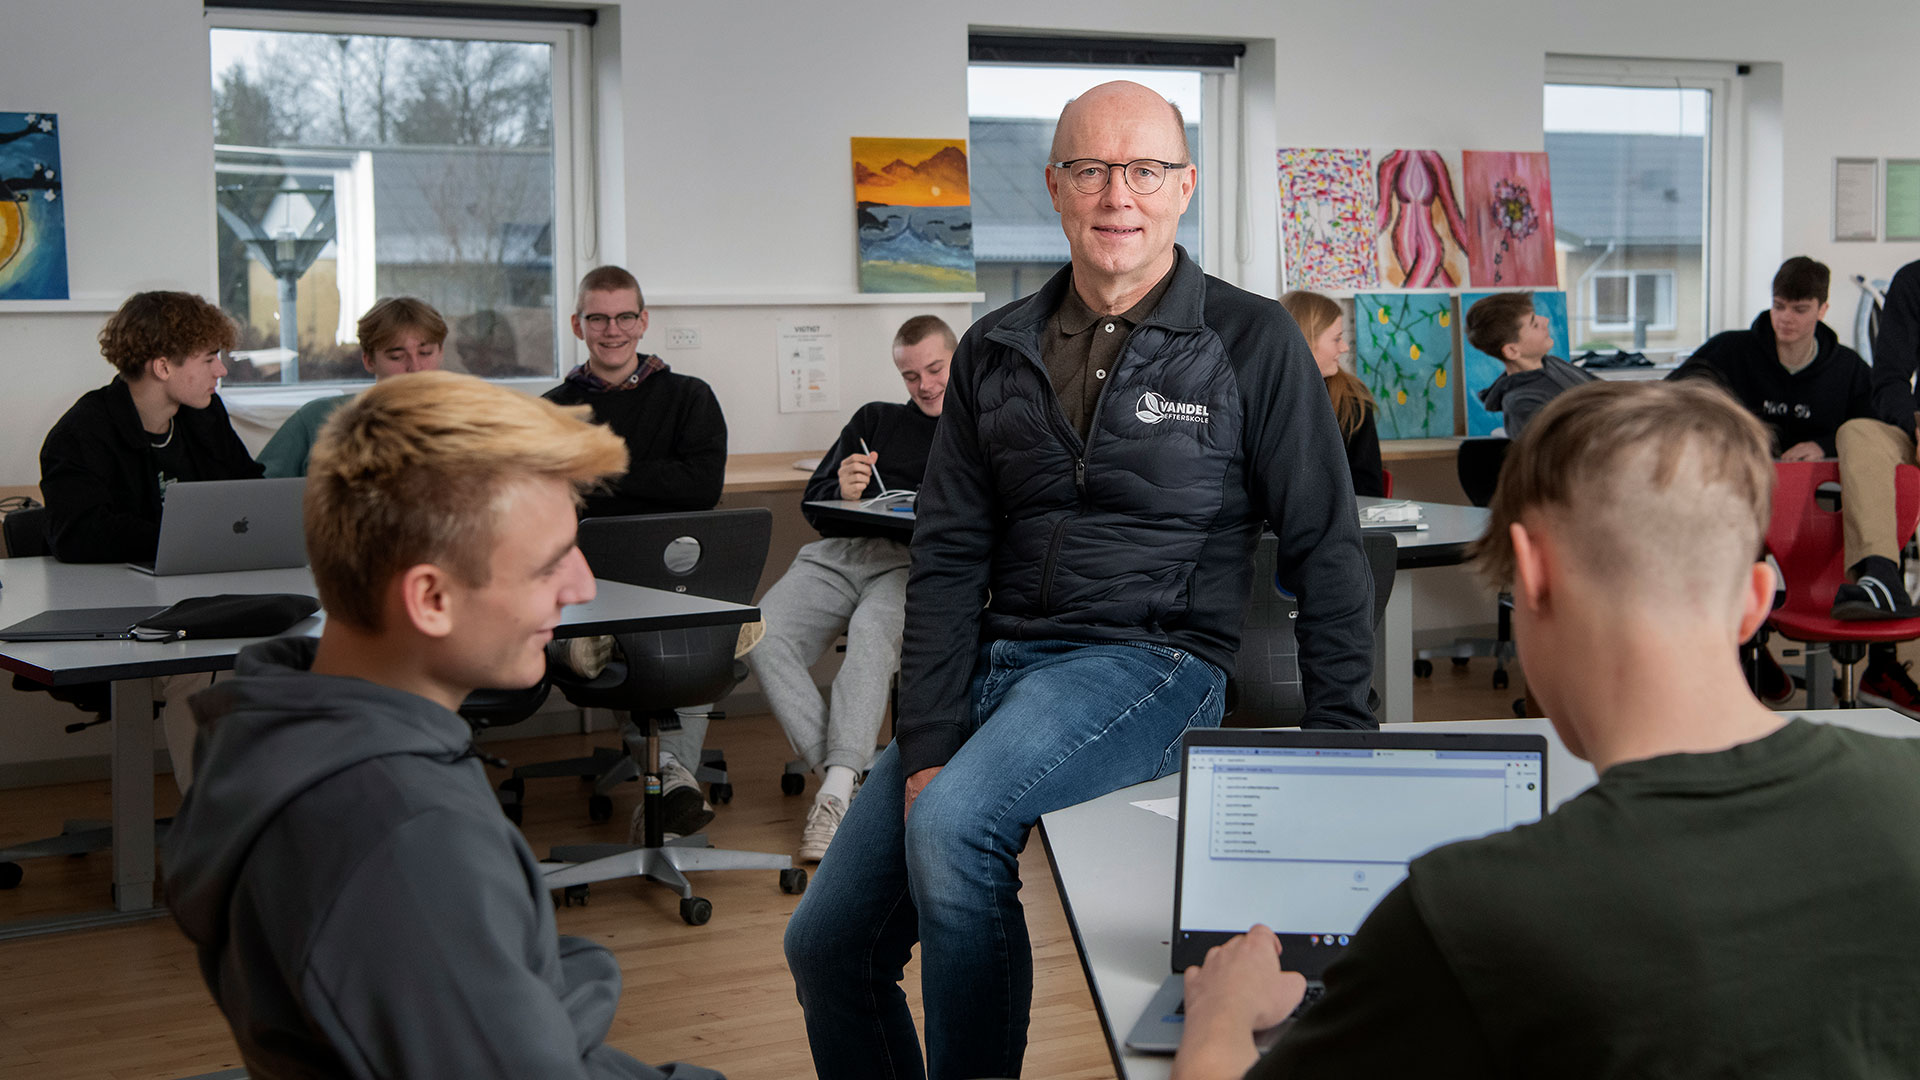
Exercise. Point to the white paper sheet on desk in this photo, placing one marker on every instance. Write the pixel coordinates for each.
(1392, 511)
(1168, 808)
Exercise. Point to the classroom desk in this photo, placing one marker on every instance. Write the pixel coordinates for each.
(1113, 865)
(767, 472)
(30, 586)
(1450, 529)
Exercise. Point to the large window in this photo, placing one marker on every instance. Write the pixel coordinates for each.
(1017, 242)
(372, 159)
(1638, 183)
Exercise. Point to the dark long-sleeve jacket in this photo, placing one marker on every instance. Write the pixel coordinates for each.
(1808, 405)
(359, 905)
(100, 481)
(1896, 352)
(676, 444)
(1213, 420)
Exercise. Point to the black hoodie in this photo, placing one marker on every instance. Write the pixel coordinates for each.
(360, 906)
(1808, 405)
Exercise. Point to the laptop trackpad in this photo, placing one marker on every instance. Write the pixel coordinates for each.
(1159, 1028)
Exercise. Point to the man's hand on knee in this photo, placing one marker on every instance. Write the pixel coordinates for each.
(916, 784)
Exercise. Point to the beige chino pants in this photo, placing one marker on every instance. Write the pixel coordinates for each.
(1869, 450)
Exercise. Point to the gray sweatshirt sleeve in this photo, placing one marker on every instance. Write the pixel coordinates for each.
(438, 960)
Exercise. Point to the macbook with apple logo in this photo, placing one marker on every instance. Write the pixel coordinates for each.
(215, 526)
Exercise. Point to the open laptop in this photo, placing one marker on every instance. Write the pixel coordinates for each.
(214, 526)
(1306, 830)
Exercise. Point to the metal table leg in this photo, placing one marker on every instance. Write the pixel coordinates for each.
(1393, 653)
(133, 795)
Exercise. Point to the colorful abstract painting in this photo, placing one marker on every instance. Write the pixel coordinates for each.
(1326, 219)
(1419, 235)
(915, 215)
(1403, 351)
(1479, 370)
(33, 226)
(1509, 212)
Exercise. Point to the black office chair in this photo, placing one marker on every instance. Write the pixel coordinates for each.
(25, 533)
(1265, 688)
(1478, 466)
(654, 673)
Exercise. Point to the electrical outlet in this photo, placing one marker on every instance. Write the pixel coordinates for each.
(683, 337)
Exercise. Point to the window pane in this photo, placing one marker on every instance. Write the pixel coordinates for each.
(1630, 196)
(1017, 242)
(1610, 302)
(352, 167)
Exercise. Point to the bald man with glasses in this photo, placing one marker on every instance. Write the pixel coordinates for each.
(1107, 454)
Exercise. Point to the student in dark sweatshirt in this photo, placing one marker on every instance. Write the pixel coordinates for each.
(358, 904)
(1506, 327)
(1789, 369)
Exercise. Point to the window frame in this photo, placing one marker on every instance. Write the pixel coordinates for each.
(1724, 184)
(1665, 282)
(575, 228)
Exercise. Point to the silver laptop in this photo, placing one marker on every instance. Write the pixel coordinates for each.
(215, 526)
(1306, 830)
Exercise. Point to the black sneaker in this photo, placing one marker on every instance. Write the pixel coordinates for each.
(1877, 592)
(1889, 682)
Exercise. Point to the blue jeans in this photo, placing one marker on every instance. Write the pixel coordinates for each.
(1055, 723)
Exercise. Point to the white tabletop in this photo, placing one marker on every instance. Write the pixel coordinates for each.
(1113, 863)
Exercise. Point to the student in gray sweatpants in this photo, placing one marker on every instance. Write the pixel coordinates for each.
(852, 581)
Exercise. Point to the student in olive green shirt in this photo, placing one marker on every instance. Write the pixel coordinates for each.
(1735, 897)
(397, 335)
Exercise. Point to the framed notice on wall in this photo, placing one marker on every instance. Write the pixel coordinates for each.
(1856, 199)
(1903, 199)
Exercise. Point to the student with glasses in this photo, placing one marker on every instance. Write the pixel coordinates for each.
(677, 460)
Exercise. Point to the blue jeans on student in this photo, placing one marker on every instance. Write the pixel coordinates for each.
(1055, 723)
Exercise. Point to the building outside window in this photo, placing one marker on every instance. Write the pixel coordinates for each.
(1633, 185)
(429, 160)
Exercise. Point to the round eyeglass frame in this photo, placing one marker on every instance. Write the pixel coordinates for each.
(624, 320)
(1106, 174)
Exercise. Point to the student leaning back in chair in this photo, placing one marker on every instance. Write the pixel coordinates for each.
(359, 904)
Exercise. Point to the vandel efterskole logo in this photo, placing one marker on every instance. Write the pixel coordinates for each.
(1153, 408)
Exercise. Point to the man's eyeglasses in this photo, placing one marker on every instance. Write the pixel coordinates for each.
(624, 320)
(1090, 175)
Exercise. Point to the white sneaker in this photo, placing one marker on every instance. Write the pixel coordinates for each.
(822, 822)
(683, 811)
(589, 656)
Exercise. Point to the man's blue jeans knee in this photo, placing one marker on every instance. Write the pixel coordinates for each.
(1056, 723)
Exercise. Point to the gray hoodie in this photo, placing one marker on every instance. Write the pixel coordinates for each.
(1517, 395)
(360, 905)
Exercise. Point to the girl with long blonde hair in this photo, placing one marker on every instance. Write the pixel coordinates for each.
(1323, 324)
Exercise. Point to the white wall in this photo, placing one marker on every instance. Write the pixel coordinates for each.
(733, 127)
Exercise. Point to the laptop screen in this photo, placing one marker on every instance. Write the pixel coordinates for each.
(1308, 838)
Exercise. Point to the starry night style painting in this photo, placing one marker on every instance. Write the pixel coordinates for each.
(33, 228)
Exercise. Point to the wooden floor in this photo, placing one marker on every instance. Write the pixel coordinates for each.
(127, 1002)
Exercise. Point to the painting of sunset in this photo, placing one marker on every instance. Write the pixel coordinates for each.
(914, 213)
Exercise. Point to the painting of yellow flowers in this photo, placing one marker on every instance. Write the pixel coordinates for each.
(1403, 351)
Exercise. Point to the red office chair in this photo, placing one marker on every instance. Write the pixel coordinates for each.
(1386, 483)
(1805, 539)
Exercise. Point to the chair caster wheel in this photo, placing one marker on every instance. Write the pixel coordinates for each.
(1459, 662)
(720, 794)
(513, 811)
(10, 875)
(1500, 680)
(792, 783)
(1520, 706)
(696, 910)
(793, 882)
(575, 894)
(599, 808)
(1422, 669)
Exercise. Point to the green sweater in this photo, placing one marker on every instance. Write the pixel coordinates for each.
(1753, 913)
(286, 453)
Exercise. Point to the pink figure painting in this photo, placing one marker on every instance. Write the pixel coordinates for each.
(1418, 222)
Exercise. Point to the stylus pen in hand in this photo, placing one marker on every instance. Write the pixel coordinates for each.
(875, 466)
